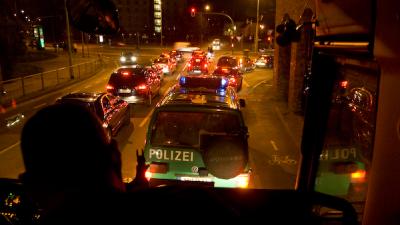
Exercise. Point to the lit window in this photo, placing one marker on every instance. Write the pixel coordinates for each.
(157, 7)
(157, 22)
(157, 15)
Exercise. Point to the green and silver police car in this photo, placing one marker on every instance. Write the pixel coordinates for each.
(197, 134)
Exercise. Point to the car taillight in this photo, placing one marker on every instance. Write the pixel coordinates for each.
(232, 80)
(344, 84)
(109, 87)
(358, 176)
(205, 65)
(141, 87)
(242, 181)
(148, 175)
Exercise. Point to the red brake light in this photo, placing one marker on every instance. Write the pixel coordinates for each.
(125, 73)
(141, 87)
(344, 84)
(205, 65)
(148, 175)
(225, 70)
(358, 176)
(109, 87)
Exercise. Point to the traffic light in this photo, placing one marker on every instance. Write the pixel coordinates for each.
(193, 11)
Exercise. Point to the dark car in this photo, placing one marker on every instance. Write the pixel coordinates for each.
(111, 110)
(197, 65)
(177, 55)
(167, 64)
(134, 84)
(233, 74)
(228, 62)
(195, 113)
(128, 58)
(246, 64)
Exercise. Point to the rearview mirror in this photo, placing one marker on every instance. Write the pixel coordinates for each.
(94, 17)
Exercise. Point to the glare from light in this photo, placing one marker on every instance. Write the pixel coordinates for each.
(148, 175)
(122, 59)
(133, 58)
(242, 181)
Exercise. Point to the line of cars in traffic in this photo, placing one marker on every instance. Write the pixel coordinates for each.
(197, 133)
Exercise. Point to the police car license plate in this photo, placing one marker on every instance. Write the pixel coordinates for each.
(126, 90)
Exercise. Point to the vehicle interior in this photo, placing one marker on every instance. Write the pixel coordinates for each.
(348, 169)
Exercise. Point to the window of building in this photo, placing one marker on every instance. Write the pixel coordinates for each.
(157, 15)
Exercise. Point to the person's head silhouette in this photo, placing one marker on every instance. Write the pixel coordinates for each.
(66, 150)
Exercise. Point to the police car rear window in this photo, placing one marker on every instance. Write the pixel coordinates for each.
(183, 128)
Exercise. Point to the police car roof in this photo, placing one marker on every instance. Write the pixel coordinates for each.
(196, 94)
(179, 96)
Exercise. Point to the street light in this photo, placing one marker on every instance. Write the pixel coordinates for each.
(256, 36)
(207, 7)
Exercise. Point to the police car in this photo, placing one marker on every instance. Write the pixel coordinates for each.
(199, 112)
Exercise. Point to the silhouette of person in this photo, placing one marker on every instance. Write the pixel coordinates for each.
(68, 161)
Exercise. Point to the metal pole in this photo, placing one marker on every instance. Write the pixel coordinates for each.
(71, 71)
(223, 14)
(83, 45)
(256, 36)
(87, 46)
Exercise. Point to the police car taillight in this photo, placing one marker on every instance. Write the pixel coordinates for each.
(358, 176)
(148, 175)
(242, 181)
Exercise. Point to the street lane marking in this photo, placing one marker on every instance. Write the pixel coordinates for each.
(9, 147)
(39, 106)
(146, 118)
(259, 83)
(274, 145)
(87, 86)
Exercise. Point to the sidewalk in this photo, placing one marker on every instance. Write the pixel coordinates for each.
(53, 72)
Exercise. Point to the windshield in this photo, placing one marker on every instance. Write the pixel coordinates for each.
(37, 68)
(183, 128)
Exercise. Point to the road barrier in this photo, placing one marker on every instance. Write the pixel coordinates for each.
(15, 89)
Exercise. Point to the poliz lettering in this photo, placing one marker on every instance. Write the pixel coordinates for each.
(172, 155)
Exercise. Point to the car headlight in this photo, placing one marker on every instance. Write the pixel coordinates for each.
(122, 59)
(133, 58)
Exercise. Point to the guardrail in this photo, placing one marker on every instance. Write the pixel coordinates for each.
(17, 88)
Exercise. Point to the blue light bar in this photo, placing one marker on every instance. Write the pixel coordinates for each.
(224, 83)
(182, 80)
